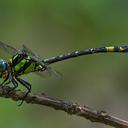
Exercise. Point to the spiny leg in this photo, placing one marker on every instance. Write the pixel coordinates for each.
(7, 80)
(4, 82)
(15, 83)
(25, 84)
(10, 78)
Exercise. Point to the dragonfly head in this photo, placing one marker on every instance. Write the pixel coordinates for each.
(3, 65)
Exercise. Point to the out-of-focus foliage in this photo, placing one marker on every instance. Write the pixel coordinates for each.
(53, 27)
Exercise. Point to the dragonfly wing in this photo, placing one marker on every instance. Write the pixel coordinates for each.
(39, 60)
(43, 74)
(9, 49)
(55, 73)
(46, 73)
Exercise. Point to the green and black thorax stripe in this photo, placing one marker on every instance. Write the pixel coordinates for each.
(23, 64)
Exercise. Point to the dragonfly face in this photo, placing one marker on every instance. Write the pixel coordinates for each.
(3, 65)
(3, 69)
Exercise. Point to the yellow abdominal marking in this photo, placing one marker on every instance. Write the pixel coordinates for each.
(110, 49)
(122, 49)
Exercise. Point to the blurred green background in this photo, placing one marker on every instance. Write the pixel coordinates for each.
(54, 27)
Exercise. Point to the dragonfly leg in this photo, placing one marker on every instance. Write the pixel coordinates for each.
(3, 83)
(15, 83)
(6, 81)
(25, 84)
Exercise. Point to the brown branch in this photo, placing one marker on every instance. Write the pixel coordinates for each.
(69, 107)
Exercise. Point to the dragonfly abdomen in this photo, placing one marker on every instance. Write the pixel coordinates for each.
(86, 52)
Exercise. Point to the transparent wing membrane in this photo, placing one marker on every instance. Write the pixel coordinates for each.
(8, 49)
(33, 55)
(46, 74)
(49, 71)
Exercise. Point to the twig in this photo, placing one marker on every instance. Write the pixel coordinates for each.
(69, 107)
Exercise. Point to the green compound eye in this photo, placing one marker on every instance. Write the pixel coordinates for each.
(3, 65)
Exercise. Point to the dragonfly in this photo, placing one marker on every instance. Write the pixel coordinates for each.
(24, 61)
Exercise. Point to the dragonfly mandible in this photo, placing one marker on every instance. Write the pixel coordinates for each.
(25, 61)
